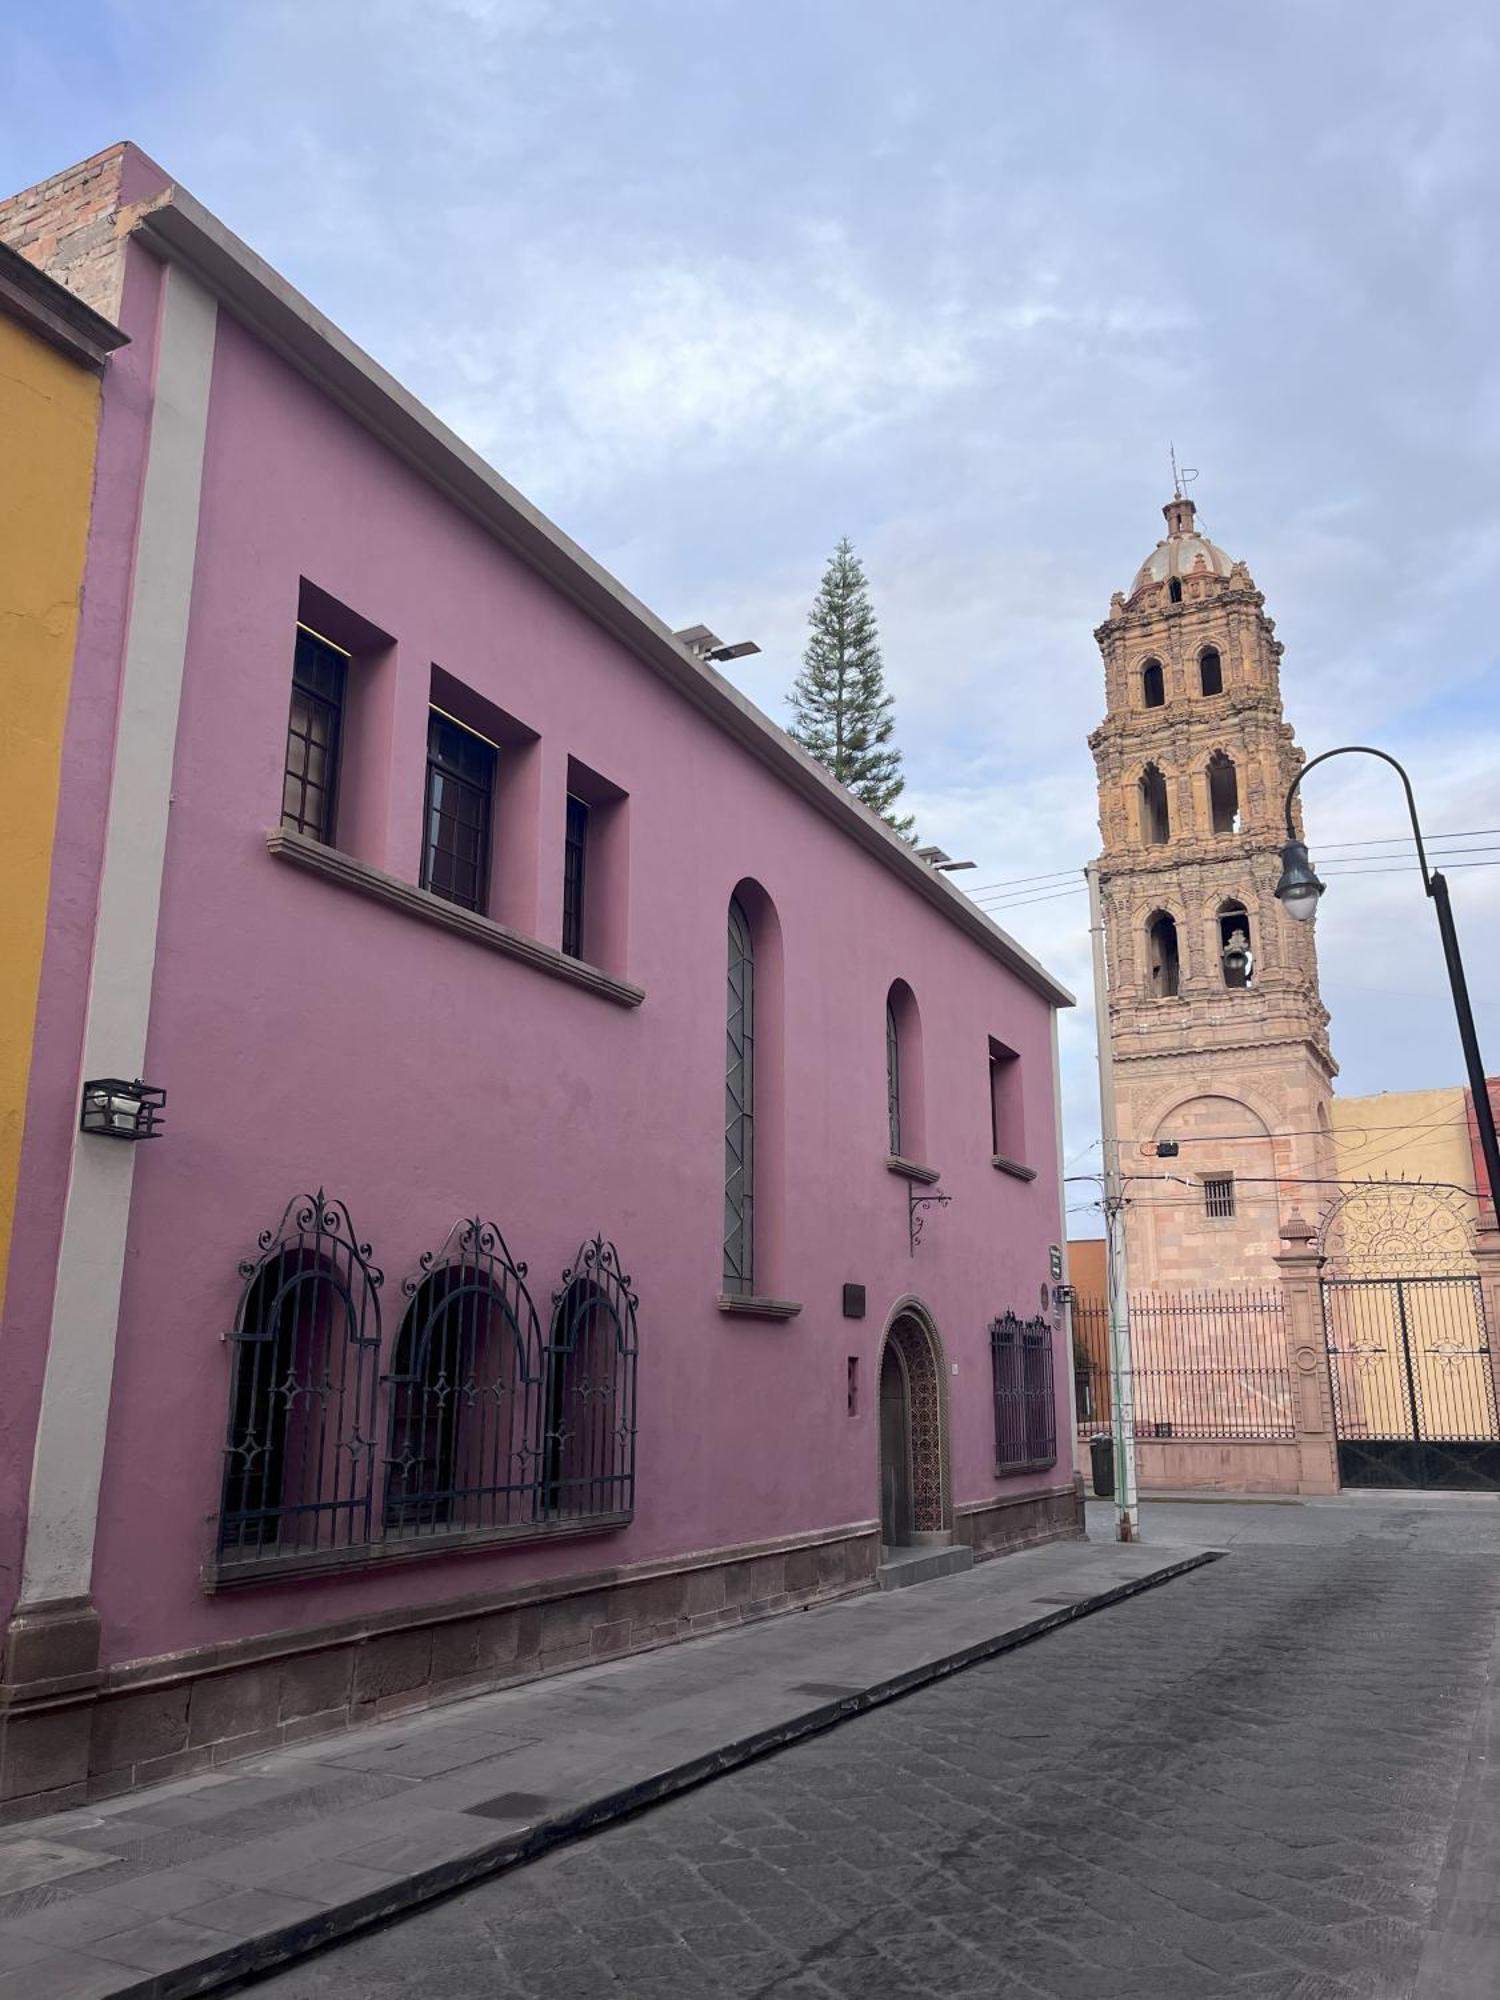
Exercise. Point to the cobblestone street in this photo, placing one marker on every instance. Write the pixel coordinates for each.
(1242, 1783)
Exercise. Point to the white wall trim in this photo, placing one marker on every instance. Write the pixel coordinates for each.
(69, 1456)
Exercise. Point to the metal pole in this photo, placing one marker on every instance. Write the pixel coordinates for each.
(1484, 1116)
(1121, 1375)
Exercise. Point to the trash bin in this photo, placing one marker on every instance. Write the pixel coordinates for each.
(1102, 1466)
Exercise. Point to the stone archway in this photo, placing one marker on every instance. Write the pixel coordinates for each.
(913, 1454)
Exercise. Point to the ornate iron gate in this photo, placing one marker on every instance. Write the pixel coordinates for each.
(1413, 1393)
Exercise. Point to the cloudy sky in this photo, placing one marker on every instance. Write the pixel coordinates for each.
(718, 281)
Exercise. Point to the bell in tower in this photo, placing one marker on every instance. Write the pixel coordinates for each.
(1219, 1035)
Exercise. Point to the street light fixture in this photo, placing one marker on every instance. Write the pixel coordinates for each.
(1299, 890)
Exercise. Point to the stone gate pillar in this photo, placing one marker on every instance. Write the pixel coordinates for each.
(1487, 1264)
(1300, 1266)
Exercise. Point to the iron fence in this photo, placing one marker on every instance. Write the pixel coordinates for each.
(1205, 1364)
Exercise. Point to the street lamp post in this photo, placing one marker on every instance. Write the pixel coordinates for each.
(1299, 890)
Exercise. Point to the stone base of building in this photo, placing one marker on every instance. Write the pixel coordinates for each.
(1289, 1466)
(70, 1732)
(999, 1527)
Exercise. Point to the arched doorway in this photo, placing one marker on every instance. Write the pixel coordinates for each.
(913, 1461)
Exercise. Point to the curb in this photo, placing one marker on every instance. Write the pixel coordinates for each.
(243, 1961)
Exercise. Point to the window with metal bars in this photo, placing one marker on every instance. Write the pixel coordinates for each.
(893, 1077)
(309, 787)
(1025, 1410)
(1218, 1196)
(457, 813)
(575, 856)
(739, 1109)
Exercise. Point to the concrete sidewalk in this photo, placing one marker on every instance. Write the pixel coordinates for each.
(194, 1885)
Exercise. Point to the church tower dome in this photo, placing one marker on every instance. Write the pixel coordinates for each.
(1219, 1033)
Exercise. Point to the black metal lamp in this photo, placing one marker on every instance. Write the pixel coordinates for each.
(1299, 888)
(115, 1109)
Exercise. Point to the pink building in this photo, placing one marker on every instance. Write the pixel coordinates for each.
(482, 936)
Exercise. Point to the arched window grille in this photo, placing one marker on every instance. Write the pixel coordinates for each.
(465, 1390)
(739, 1108)
(1156, 818)
(299, 1457)
(1161, 955)
(1153, 687)
(1210, 671)
(1223, 793)
(893, 1076)
(587, 1457)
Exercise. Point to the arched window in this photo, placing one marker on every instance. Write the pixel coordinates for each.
(1210, 671)
(739, 1108)
(1156, 823)
(1236, 954)
(1223, 793)
(587, 1457)
(299, 1457)
(1153, 689)
(1162, 964)
(465, 1391)
(903, 1073)
(1174, 590)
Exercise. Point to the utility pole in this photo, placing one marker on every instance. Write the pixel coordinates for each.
(1121, 1374)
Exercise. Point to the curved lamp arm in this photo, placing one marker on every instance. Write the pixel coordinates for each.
(1365, 750)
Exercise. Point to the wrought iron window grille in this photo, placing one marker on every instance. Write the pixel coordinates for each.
(115, 1109)
(575, 857)
(493, 1424)
(299, 1459)
(1025, 1408)
(1218, 1196)
(893, 1078)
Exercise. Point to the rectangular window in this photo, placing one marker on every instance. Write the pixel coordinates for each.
(1025, 1411)
(456, 814)
(575, 855)
(309, 788)
(1007, 1126)
(1218, 1196)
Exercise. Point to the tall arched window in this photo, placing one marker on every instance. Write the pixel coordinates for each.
(906, 1111)
(1153, 688)
(1210, 671)
(1163, 969)
(1223, 793)
(588, 1433)
(739, 1107)
(1156, 824)
(299, 1457)
(1234, 930)
(465, 1390)
(1174, 590)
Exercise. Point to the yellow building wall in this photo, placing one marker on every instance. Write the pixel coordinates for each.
(1412, 1135)
(49, 414)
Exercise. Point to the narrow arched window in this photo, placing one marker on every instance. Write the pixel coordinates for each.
(893, 1077)
(1223, 793)
(465, 1391)
(739, 1108)
(299, 1456)
(587, 1456)
(1210, 671)
(905, 1109)
(1156, 819)
(1174, 590)
(1163, 968)
(1236, 945)
(1153, 688)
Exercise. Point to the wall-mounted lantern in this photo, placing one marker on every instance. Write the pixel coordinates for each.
(115, 1109)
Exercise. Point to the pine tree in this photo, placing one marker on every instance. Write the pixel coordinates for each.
(842, 714)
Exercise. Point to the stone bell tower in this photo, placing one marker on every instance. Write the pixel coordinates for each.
(1220, 1038)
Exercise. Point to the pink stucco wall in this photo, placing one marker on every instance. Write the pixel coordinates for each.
(307, 1037)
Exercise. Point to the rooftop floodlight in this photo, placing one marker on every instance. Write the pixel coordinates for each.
(1299, 888)
(706, 645)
